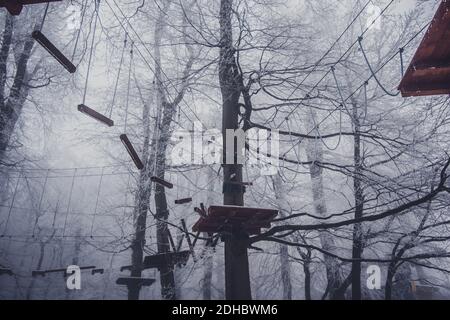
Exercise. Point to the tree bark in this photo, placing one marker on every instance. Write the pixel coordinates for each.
(237, 277)
(142, 203)
(12, 108)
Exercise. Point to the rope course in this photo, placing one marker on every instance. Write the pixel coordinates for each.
(215, 221)
(43, 211)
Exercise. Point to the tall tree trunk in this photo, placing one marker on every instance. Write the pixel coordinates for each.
(237, 278)
(11, 107)
(315, 154)
(307, 272)
(285, 267)
(357, 247)
(142, 203)
(167, 279)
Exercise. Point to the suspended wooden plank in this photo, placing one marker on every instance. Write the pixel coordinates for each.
(125, 268)
(169, 259)
(131, 151)
(252, 220)
(95, 115)
(15, 7)
(161, 182)
(58, 55)
(183, 201)
(64, 271)
(136, 281)
(6, 271)
(36, 273)
(429, 71)
(97, 271)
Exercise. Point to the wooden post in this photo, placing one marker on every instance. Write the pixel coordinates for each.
(237, 278)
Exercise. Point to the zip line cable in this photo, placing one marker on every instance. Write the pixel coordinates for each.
(331, 48)
(364, 83)
(77, 39)
(339, 60)
(118, 75)
(153, 58)
(91, 53)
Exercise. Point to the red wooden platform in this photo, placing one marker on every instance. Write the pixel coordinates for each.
(251, 220)
(429, 71)
(15, 7)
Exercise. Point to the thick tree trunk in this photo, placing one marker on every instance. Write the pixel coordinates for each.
(307, 272)
(168, 110)
(142, 203)
(11, 107)
(237, 274)
(389, 281)
(167, 278)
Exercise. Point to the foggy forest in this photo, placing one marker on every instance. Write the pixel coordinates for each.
(112, 145)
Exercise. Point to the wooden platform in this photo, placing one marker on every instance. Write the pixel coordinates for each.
(124, 281)
(15, 7)
(252, 220)
(429, 72)
(166, 259)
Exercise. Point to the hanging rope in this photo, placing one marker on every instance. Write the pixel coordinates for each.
(372, 71)
(401, 50)
(128, 87)
(97, 4)
(365, 100)
(83, 13)
(118, 76)
(70, 200)
(45, 16)
(96, 200)
(12, 204)
(318, 135)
